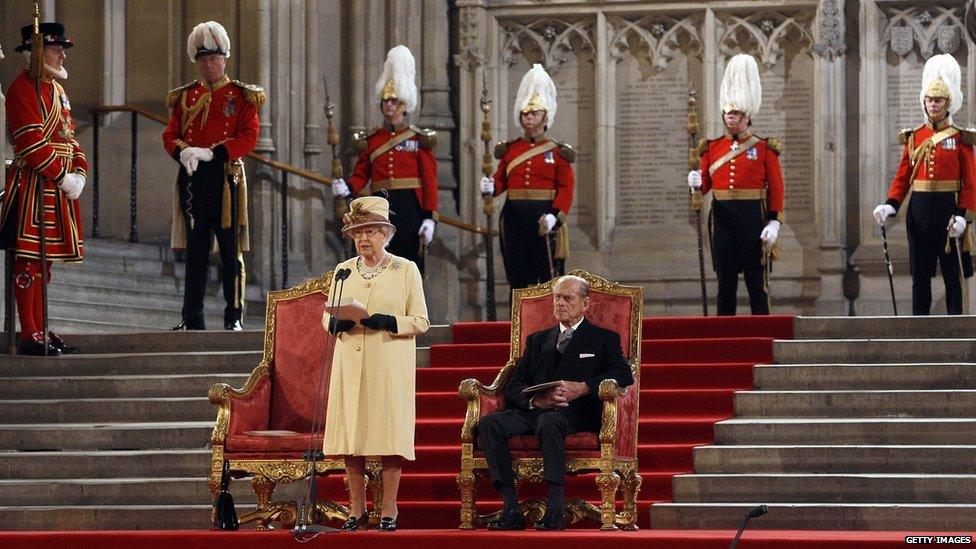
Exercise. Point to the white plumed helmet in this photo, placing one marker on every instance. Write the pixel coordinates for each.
(942, 77)
(397, 79)
(207, 38)
(537, 92)
(741, 89)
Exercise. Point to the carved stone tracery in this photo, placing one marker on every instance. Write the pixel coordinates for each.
(469, 56)
(928, 27)
(553, 38)
(764, 34)
(658, 38)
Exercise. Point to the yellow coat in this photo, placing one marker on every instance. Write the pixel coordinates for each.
(372, 387)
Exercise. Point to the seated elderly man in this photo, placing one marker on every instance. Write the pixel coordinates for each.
(577, 354)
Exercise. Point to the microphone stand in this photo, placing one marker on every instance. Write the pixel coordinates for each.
(307, 505)
(753, 513)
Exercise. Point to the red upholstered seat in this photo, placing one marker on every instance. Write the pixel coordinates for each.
(614, 307)
(279, 397)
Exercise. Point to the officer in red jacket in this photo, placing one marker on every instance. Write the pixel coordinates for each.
(46, 156)
(397, 160)
(743, 172)
(938, 165)
(537, 174)
(213, 125)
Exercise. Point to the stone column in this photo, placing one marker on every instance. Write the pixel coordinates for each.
(260, 183)
(3, 126)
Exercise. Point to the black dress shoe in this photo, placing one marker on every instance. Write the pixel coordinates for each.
(551, 521)
(59, 344)
(354, 523)
(388, 524)
(185, 325)
(510, 520)
(233, 325)
(35, 348)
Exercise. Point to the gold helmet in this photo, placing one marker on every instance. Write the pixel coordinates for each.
(942, 77)
(537, 92)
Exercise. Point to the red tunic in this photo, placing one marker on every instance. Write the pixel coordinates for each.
(548, 172)
(952, 160)
(756, 168)
(221, 118)
(410, 164)
(45, 150)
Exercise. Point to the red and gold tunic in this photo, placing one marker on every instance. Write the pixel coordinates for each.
(945, 164)
(544, 175)
(222, 117)
(395, 159)
(754, 173)
(45, 150)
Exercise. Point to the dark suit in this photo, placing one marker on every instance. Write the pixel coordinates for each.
(540, 363)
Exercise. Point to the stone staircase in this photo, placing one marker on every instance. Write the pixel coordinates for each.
(118, 439)
(848, 430)
(126, 287)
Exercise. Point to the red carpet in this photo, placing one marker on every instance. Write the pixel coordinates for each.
(447, 539)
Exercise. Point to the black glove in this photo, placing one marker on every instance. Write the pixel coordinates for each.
(337, 326)
(380, 321)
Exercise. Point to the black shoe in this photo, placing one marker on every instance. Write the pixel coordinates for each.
(59, 344)
(233, 325)
(353, 523)
(510, 520)
(388, 524)
(36, 348)
(553, 520)
(187, 325)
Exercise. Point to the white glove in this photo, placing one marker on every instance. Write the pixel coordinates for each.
(883, 212)
(550, 221)
(487, 185)
(339, 188)
(770, 233)
(958, 227)
(694, 180)
(190, 157)
(72, 184)
(426, 231)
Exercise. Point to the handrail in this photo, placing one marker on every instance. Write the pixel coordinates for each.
(285, 169)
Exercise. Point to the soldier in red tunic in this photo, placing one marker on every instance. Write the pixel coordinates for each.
(938, 165)
(743, 172)
(397, 160)
(214, 124)
(46, 156)
(537, 174)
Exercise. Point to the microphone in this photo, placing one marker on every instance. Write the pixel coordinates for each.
(342, 274)
(757, 511)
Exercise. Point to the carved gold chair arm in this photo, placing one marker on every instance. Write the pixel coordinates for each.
(609, 391)
(222, 394)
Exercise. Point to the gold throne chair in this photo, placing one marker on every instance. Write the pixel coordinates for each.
(611, 453)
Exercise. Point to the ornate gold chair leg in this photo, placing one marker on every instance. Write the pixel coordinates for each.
(374, 480)
(466, 483)
(213, 483)
(630, 487)
(263, 489)
(608, 483)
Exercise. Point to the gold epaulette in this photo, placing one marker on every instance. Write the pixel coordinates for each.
(173, 97)
(252, 92)
(967, 135)
(703, 145)
(904, 135)
(501, 148)
(566, 151)
(359, 138)
(428, 138)
(774, 145)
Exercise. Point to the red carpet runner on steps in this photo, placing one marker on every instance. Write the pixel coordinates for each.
(691, 366)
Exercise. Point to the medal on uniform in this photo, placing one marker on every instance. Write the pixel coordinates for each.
(752, 153)
(550, 158)
(408, 146)
(230, 108)
(65, 104)
(949, 144)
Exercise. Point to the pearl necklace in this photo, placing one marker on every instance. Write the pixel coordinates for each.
(368, 272)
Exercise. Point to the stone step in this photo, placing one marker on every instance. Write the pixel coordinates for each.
(873, 351)
(824, 488)
(883, 327)
(850, 404)
(158, 386)
(107, 517)
(131, 364)
(108, 409)
(943, 459)
(148, 318)
(846, 431)
(101, 247)
(900, 376)
(105, 463)
(169, 301)
(106, 436)
(118, 491)
(817, 516)
(159, 342)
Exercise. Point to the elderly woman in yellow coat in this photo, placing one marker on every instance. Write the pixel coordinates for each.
(371, 410)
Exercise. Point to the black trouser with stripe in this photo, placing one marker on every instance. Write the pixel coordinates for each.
(927, 224)
(523, 250)
(734, 227)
